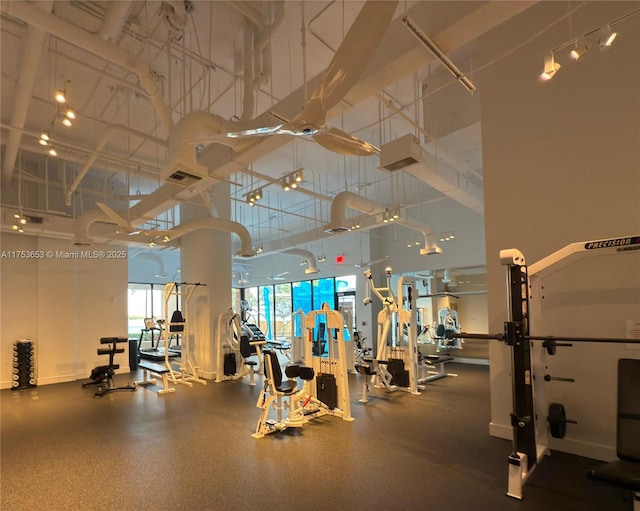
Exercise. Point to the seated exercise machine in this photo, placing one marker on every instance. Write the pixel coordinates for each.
(103, 375)
(325, 390)
(398, 364)
(234, 345)
(625, 471)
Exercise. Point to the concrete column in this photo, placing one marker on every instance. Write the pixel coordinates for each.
(205, 257)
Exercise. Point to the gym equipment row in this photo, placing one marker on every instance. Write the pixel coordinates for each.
(102, 375)
(534, 420)
(325, 389)
(24, 365)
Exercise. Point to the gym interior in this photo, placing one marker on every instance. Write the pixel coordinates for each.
(331, 254)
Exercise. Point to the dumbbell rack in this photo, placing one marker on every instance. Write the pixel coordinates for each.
(24, 364)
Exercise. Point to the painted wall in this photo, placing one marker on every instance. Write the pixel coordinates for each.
(63, 304)
(561, 164)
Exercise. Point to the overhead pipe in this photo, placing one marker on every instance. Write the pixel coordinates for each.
(218, 224)
(338, 223)
(111, 129)
(86, 219)
(31, 52)
(311, 259)
(93, 44)
(114, 19)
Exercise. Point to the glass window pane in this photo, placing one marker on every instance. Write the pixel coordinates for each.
(324, 292)
(139, 307)
(251, 309)
(284, 308)
(302, 296)
(345, 283)
(265, 311)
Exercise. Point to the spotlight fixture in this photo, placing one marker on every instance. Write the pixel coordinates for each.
(285, 184)
(166, 239)
(52, 151)
(385, 216)
(152, 244)
(447, 236)
(60, 96)
(67, 122)
(396, 214)
(551, 67)
(70, 113)
(580, 48)
(258, 194)
(44, 138)
(297, 175)
(606, 37)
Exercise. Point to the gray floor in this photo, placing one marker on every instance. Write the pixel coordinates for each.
(62, 449)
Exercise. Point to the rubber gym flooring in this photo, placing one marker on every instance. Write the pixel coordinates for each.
(62, 449)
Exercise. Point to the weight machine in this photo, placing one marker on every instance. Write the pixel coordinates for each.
(326, 384)
(397, 364)
(186, 372)
(533, 420)
(233, 346)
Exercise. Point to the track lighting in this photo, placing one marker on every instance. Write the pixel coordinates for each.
(298, 176)
(166, 239)
(551, 67)
(67, 122)
(606, 36)
(52, 151)
(70, 113)
(294, 185)
(447, 236)
(44, 137)
(258, 194)
(285, 184)
(60, 96)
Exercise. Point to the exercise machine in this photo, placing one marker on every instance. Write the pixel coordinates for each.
(152, 333)
(325, 390)
(235, 343)
(102, 376)
(184, 372)
(534, 421)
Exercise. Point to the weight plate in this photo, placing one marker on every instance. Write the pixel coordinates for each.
(557, 420)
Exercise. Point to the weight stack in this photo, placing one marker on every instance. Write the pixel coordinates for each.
(24, 364)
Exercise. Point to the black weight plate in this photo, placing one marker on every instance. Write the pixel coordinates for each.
(557, 420)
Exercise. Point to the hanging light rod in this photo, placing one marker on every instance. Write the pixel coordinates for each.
(437, 52)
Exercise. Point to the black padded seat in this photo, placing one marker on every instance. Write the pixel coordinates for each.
(247, 350)
(437, 359)
(285, 387)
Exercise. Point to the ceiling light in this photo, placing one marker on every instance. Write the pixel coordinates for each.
(44, 136)
(298, 176)
(15, 227)
(606, 36)
(67, 122)
(551, 67)
(52, 151)
(23, 220)
(70, 113)
(294, 184)
(152, 244)
(17, 215)
(409, 245)
(396, 214)
(258, 194)
(581, 47)
(166, 239)
(285, 184)
(60, 96)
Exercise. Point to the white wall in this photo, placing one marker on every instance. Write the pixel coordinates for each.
(64, 305)
(561, 165)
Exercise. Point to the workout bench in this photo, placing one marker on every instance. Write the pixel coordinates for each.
(158, 369)
(103, 374)
(437, 362)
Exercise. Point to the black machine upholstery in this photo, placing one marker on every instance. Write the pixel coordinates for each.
(271, 361)
(625, 472)
(103, 375)
(247, 350)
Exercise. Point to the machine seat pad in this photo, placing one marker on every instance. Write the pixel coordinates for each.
(365, 369)
(624, 474)
(252, 363)
(287, 387)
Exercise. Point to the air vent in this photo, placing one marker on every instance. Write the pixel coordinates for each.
(400, 153)
(336, 230)
(180, 177)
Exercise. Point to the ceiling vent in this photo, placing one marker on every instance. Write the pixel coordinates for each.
(178, 172)
(400, 153)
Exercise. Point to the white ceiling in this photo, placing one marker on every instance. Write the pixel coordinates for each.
(195, 53)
